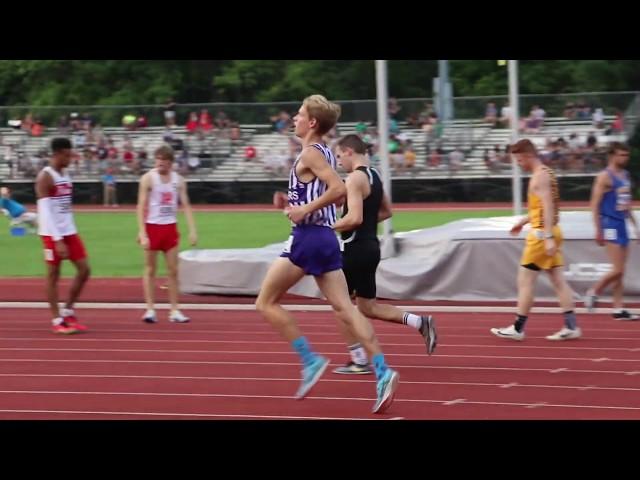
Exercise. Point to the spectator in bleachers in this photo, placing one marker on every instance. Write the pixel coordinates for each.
(618, 123)
(192, 123)
(491, 161)
(583, 111)
(505, 116)
(109, 188)
(37, 128)
(361, 128)
(170, 113)
(455, 160)
(222, 121)
(75, 123)
(538, 114)
(205, 123)
(234, 134)
(598, 118)
(569, 111)
(575, 145)
(409, 156)
(130, 161)
(143, 160)
(394, 128)
(141, 122)
(491, 114)
(592, 141)
(129, 121)
(250, 153)
(96, 135)
(75, 161)
(394, 108)
(87, 160)
(283, 122)
(27, 122)
(425, 115)
(435, 159)
(79, 139)
(396, 159)
(63, 125)
(88, 122)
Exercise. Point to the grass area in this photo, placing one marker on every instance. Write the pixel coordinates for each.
(110, 238)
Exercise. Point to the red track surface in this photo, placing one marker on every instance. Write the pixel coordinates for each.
(230, 364)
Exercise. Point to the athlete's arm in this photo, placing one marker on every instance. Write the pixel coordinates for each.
(186, 205)
(355, 185)
(601, 185)
(143, 197)
(44, 184)
(385, 208)
(315, 161)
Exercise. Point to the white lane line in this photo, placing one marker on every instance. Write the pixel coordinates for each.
(297, 380)
(292, 307)
(199, 415)
(289, 352)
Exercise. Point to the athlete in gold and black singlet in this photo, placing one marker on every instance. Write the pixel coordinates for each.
(542, 247)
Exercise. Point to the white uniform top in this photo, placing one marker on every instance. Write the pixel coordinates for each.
(61, 197)
(163, 200)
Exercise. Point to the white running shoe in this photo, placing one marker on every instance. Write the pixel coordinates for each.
(508, 332)
(150, 317)
(566, 334)
(178, 317)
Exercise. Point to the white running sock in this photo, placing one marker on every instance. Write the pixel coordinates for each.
(412, 320)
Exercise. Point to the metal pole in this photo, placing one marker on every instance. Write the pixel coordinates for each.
(387, 248)
(515, 118)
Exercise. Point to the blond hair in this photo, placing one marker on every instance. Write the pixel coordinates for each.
(325, 112)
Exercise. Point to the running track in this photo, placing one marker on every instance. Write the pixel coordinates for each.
(228, 364)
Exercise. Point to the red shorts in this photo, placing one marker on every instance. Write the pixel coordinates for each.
(74, 245)
(162, 237)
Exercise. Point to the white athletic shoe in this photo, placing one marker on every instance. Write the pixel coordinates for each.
(508, 332)
(566, 334)
(178, 317)
(150, 317)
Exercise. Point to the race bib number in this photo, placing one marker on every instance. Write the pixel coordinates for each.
(288, 243)
(64, 205)
(610, 234)
(623, 197)
(48, 255)
(167, 208)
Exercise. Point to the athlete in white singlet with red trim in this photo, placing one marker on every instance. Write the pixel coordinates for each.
(158, 195)
(57, 229)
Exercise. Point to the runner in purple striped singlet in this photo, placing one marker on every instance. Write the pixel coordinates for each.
(313, 249)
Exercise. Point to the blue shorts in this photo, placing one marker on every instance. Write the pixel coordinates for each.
(615, 231)
(315, 249)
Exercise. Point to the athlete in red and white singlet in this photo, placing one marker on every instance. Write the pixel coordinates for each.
(59, 234)
(159, 193)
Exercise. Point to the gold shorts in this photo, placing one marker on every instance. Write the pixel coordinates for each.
(535, 252)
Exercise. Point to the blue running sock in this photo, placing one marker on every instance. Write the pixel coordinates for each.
(379, 365)
(303, 348)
